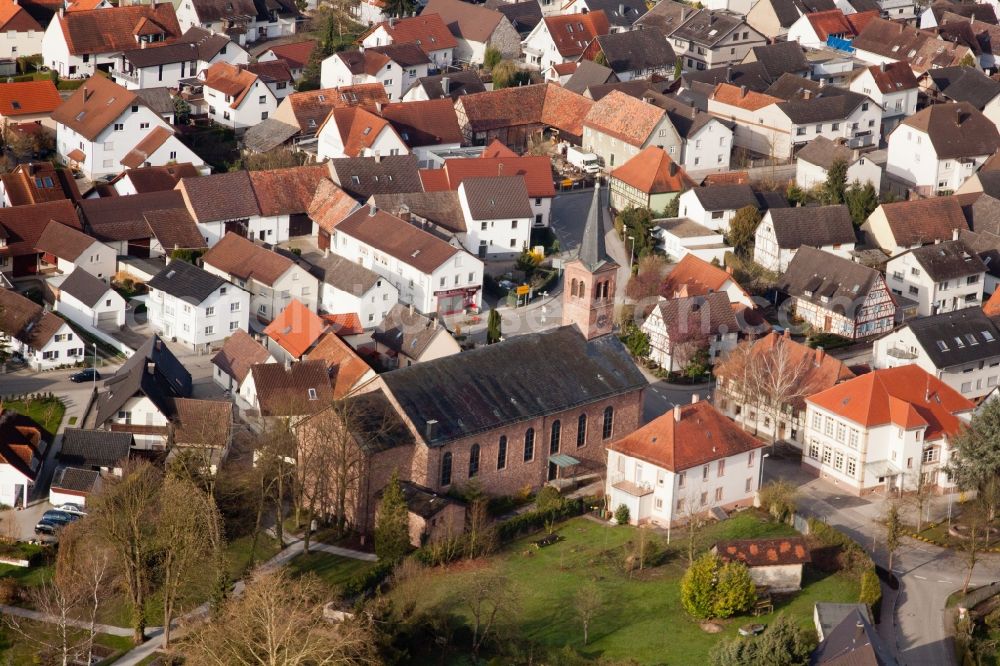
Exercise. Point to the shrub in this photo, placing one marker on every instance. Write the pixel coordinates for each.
(711, 589)
(735, 591)
(548, 498)
(532, 521)
(992, 619)
(871, 590)
(367, 581)
(697, 587)
(10, 591)
(784, 643)
(778, 499)
(622, 515)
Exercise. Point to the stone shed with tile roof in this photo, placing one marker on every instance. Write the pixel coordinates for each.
(773, 563)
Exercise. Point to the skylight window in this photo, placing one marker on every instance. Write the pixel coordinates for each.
(312, 394)
(971, 339)
(16, 104)
(958, 342)
(987, 336)
(80, 115)
(942, 346)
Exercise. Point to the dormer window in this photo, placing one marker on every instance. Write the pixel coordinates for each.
(312, 394)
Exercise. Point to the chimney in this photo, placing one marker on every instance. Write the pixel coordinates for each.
(378, 108)
(695, 398)
(142, 44)
(859, 632)
(150, 368)
(410, 309)
(743, 92)
(820, 355)
(62, 12)
(445, 81)
(621, 9)
(403, 213)
(807, 94)
(372, 209)
(954, 234)
(288, 364)
(882, 67)
(729, 270)
(378, 157)
(684, 13)
(677, 413)
(392, 21)
(673, 168)
(729, 73)
(855, 154)
(430, 429)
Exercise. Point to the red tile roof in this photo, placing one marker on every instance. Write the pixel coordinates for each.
(728, 178)
(893, 77)
(992, 306)
(330, 205)
(624, 117)
(427, 31)
(402, 240)
(24, 224)
(653, 172)
(344, 323)
(311, 108)
(693, 276)
(296, 54)
(833, 22)
(28, 97)
(726, 93)
(572, 32)
(764, 552)
(239, 352)
(95, 105)
(296, 329)
(358, 129)
(229, 80)
(16, 18)
(702, 435)
(495, 148)
(537, 172)
(906, 396)
(287, 191)
(136, 157)
(346, 367)
(424, 123)
(115, 29)
(543, 103)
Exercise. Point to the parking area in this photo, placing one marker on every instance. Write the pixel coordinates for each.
(20, 525)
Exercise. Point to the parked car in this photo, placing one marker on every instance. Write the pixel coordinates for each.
(60, 516)
(88, 375)
(46, 528)
(74, 509)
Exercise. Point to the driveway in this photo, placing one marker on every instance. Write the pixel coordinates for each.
(20, 525)
(927, 574)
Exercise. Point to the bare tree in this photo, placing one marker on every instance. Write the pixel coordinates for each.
(185, 532)
(893, 531)
(278, 621)
(976, 520)
(785, 379)
(919, 497)
(60, 603)
(125, 519)
(589, 600)
(481, 535)
(87, 564)
(491, 600)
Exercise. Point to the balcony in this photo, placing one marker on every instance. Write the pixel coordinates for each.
(901, 354)
(619, 482)
(131, 77)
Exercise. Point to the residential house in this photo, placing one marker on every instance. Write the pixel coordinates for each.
(103, 127)
(707, 39)
(938, 148)
(76, 43)
(347, 370)
(143, 225)
(293, 332)
(561, 39)
(619, 126)
(395, 66)
(649, 180)
(295, 55)
(811, 371)
(35, 335)
(536, 170)
(959, 347)
(356, 132)
(194, 307)
(707, 141)
(348, 287)
(70, 250)
(855, 640)
(666, 473)
(715, 205)
(428, 31)
(814, 30)
(837, 295)
(679, 237)
(22, 452)
(203, 430)
(20, 229)
(515, 115)
(236, 97)
(362, 177)
(784, 230)
(942, 277)
(304, 112)
(637, 54)
(169, 63)
(35, 182)
(890, 430)
(284, 197)
(28, 102)
(893, 87)
(429, 273)
(477, 28)
(95, 450)
(233, 361)
(140, 397)
(291, 392)
(89, 302)
(885, 41)
(814, 160)
(903, 225)
(693, 276)
(680, 328)
(406, 337)
(426, 127)
(226, 202)
(774, 18)
(964, 84)
(445, 86)
(246, 21)
(273, 278)
(497, 216)
(24, 33)
(773, 563)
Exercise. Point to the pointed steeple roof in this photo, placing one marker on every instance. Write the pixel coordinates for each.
(593, 254)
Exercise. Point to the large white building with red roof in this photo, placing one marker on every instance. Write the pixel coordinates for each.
(890, 429)
(682, 464)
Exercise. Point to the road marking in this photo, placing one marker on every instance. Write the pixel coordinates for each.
(920, 577)
(945, 581)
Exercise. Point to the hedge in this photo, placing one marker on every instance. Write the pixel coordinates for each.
(366, 581)
(532, 521)
(856, 559)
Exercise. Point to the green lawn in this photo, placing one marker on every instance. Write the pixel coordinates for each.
(641, 617)
(17, 649)
(333, 570)
(238, 553)
(47, 412)
(28, 576)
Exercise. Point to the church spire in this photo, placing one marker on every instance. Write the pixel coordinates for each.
(592, 250)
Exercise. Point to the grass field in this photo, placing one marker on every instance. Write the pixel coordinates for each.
(18, 649)
(47, 413)
(333, 570)
(641, 617)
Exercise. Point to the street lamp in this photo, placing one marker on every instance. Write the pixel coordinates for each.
(631, 256)
(760, 477)
(95, 365)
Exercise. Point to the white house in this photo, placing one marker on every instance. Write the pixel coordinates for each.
(89, 302)
(23, 34)
(560, 39)
(103, 127)
(225, 202)
(233, 361)
(680, 328)
(694, 276)
(893, 87)
(784, 230)
(497, 216)
(168, 63)
(236, 97)
(679, 237)
(246, 20)
(283, 197)
(22, 451)
(938, 148)
(705, 39)
(349, 287)
(814, 160)
(885, 431)
(272, 279)
(357, 132)
(194, 306)
(902, 225)
(70, 249)
(396, 66)
(942, 277)
(477, 28)
(76, 43)
(961, 348)
(427, 31)
(38, 336)
(714, 206)
(429, 273)
(666, 472)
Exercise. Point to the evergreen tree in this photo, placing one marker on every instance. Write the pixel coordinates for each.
(862, 200)
(836, 183)
(392, 531)
(742, 228)
(493, 331)
(399, 8)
